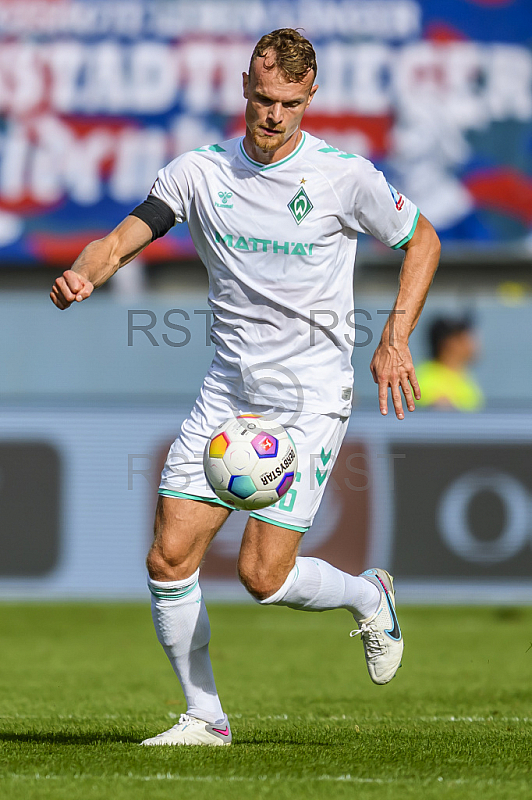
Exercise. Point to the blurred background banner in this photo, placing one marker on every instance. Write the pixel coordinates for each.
(97, 95)
(447, 508)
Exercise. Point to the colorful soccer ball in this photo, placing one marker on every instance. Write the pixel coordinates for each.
(250, 462)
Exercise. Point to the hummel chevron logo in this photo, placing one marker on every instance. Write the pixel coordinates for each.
(325, 457)
(320, 476)
(214, 148)
(336, 152)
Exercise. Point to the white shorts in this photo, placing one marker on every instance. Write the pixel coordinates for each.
(318, 438)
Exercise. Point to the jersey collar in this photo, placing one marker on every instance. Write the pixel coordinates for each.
(264, 167)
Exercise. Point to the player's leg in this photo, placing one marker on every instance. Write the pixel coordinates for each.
(267, 563)
(183, 530)
(312, 584)
(188, 516)
(273, 573)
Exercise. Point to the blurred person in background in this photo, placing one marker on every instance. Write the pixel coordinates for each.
(444, 380)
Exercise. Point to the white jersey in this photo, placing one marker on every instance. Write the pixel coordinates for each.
(279, 244)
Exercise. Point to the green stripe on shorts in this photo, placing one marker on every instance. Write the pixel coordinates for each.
(185, 496)
(279, 524)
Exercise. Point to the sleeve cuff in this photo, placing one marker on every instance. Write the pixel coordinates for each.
(407, 238)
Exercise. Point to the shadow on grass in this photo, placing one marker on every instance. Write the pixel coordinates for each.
(263, 739)
(70, 738)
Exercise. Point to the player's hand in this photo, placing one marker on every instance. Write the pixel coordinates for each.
(70, 287)
(392, 367)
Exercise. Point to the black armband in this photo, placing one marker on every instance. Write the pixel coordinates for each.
(157, 215)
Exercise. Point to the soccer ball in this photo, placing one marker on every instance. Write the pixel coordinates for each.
(250, 462)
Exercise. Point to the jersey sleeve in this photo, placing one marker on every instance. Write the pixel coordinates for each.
(173, 186)
(372, 205)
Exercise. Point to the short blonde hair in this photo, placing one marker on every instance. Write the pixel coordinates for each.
(293, 55)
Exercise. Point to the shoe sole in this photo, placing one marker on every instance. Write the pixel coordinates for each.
(184, 744)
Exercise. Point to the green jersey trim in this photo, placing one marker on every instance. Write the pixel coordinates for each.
(407, 238)
(215, 148)
(185, 496)
(279, 524)
(277, 163)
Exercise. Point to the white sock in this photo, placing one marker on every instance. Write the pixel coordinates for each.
(315, 585)
(182, 626)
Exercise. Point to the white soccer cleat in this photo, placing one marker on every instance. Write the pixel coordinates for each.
(380, 633)
(190, 730)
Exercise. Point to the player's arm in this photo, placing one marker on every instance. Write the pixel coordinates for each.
(392, 364)
(100, 260)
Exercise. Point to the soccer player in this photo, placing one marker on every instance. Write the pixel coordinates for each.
(274, 217)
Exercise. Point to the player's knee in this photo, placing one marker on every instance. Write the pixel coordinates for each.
(165, 564)
(259, 582)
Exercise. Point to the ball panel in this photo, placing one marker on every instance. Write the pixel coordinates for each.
(216, 473)
(229, 498)
(242, 486)
(269, 474)
(285, 484)
(239, 457)
(258, 500)
(219, 445)
(265, 445)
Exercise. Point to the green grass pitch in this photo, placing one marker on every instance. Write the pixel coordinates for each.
(82, 684)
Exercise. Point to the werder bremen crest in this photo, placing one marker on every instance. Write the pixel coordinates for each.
(300, 205)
